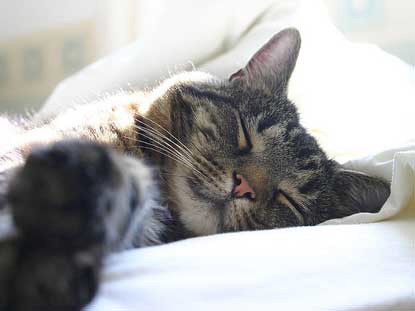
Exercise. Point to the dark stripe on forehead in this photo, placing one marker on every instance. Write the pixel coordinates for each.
(266, 122)
(308, 165)
(305, 145)
(206, 95)
(290, 126)
(297, 140)
(306, 152)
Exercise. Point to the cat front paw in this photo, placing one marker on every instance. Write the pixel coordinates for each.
(53, 279)
(8, 269)
(64, 192)
(63, 201)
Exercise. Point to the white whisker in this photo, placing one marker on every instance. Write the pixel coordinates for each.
(168, 132)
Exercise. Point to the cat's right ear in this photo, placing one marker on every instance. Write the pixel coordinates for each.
(271, 67)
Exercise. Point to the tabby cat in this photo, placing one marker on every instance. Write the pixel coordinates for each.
(196, 156)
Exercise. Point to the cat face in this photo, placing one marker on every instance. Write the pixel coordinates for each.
(244, 162)
(254, 167)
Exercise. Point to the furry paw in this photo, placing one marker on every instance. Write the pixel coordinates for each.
(64, 192)
(67, 202)
(54, 279)
(8, 268)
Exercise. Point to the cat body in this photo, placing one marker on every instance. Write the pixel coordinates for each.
(196, 156)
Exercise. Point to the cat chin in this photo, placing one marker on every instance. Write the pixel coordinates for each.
(200, 223)
(199, 217)
(206, 218)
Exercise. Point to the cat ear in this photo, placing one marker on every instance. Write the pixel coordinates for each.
(271, 67)
(357, 192)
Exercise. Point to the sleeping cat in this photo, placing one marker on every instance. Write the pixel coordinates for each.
(196, 156)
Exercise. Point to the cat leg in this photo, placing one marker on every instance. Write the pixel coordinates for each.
(72, 202)
(8, 260)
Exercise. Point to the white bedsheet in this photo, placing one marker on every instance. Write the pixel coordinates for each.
(344, 267)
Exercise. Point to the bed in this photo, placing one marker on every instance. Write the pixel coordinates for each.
(343, 267)
(359, 102)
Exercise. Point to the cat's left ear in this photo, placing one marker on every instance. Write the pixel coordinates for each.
(357, 192)
(271, 67)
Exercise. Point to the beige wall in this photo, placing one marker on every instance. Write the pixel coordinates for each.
(44, 41)
(31, 65)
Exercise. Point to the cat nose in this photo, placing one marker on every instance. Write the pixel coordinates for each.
(241, 187)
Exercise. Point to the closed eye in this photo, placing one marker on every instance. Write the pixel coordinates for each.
(244, 141)
(288, 201)
(265, 123)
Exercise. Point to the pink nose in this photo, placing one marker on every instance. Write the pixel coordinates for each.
(242, 188)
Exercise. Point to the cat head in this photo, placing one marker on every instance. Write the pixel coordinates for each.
(239, 159)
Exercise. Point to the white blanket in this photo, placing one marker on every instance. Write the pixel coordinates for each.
(355, 98)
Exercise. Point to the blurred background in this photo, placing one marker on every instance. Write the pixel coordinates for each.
(44, 41)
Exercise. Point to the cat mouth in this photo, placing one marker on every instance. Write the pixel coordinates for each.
(240, 191)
